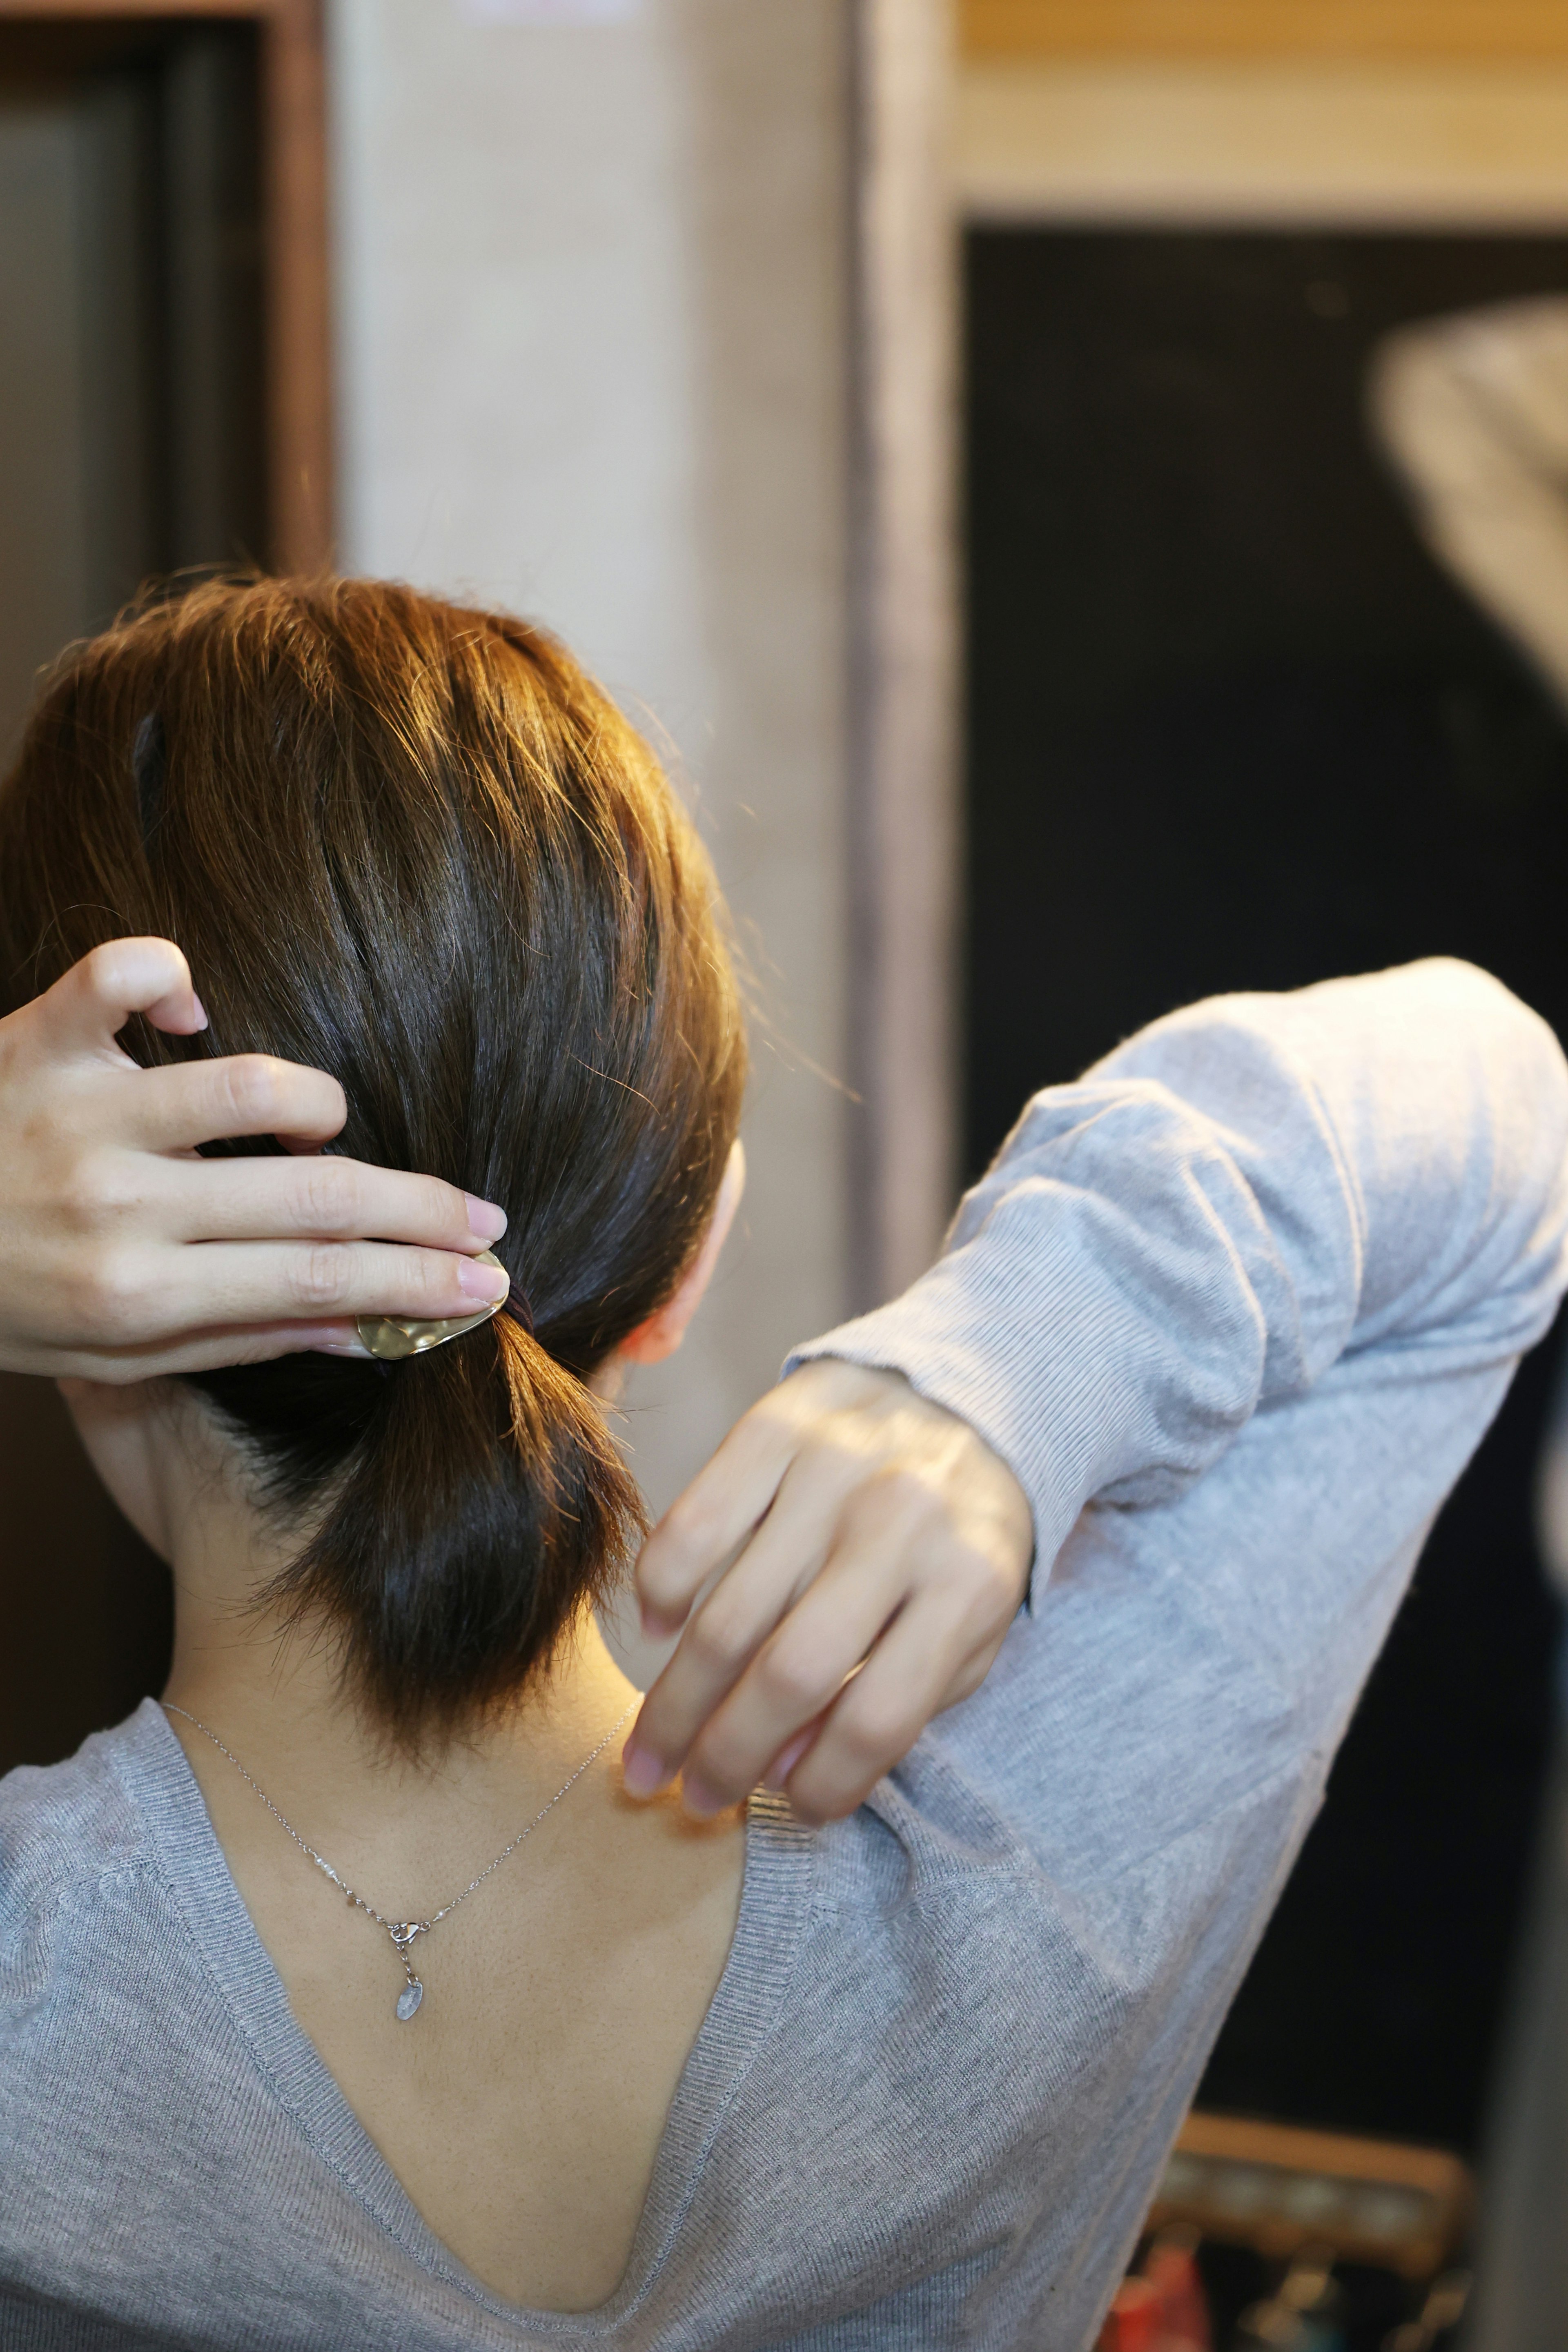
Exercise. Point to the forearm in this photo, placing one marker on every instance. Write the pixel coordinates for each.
(1221, 1208)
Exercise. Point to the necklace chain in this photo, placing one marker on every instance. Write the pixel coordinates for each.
(402, 1931)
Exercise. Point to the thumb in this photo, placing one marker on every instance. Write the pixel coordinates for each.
(86, 1009)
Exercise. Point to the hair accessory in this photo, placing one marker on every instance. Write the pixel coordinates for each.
(391, 1337)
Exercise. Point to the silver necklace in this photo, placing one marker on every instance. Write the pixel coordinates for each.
(403, 1931)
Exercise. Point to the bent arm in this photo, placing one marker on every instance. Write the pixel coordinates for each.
(1366, 1176)
(1224, 1207)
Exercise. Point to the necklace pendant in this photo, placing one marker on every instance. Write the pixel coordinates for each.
(408, 2000)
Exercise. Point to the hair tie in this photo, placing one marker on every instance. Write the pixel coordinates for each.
(391, 1338)
(516, 1304)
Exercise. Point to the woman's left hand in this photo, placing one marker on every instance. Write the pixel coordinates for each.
(874, 1552)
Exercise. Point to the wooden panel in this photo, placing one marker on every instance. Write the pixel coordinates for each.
(903, 652)
(298, 324)
(299, 340)
(1262, 142)
(1279, 2188)
(1244, 29)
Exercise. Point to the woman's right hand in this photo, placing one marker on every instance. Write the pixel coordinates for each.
(124, 1255)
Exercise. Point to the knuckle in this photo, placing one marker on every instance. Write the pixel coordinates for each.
(877, 1733)
(659, 1580)
(713, 1638)
(321, 1275)
(897, 1500)
(330, 1196)
(434, 1275)
(444, 1206)
(107, 1288)
(100, 971)
(791, 1678)
(252, 1091)
(690, 1526)
(89, 1192)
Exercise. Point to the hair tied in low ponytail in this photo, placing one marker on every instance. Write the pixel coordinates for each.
(516, 1304)
(412, 844)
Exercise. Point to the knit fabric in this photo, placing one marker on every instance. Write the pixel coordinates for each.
(1237, 1308)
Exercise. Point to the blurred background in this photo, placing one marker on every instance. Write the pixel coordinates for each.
(1075, 490)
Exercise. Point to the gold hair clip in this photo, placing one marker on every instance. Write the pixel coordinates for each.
(391, 1337)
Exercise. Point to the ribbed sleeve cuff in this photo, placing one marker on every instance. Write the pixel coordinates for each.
(1047, 1392)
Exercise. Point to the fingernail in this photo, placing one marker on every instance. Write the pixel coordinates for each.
(200, 1010)
(699, 1798)
(641, 1770)
(488, 1282)
(485, 1219)
(342, 1347)
(655, 1627)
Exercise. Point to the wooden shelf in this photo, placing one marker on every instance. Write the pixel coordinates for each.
(1265, 28)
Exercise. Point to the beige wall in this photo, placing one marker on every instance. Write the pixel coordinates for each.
(591, 365)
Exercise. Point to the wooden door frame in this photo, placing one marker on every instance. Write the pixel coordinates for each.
(904, 828)
(297, 273)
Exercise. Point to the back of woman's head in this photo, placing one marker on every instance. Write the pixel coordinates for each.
(414, 845)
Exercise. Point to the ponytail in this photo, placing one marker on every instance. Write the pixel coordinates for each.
(412, 844)
(483, 1503)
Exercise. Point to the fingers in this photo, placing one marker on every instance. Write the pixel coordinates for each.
(925, 1661)
(188, 1103)
(795, 1676)
(874, 1589)
(205, 1351)
(716, 1513)
(214, 1284)
(92, 1003)
(784, 1554)
(325, 1199)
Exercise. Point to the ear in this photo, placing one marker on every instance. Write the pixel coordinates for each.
(663, 1332)
(119, 1426)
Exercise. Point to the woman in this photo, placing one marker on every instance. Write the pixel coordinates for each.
(350, 1996)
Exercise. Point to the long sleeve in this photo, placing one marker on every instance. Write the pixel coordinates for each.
(1237, 1198)
(1237, 1308)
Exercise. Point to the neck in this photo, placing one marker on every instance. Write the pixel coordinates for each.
(273, 1695)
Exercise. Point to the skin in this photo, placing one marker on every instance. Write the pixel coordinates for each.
(122, 1255)
(870, 1551)
(523, 2108)
(845, 1566)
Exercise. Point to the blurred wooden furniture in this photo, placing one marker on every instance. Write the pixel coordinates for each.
(1278, 2189)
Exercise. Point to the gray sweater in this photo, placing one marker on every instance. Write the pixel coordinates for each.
(1237, 1308)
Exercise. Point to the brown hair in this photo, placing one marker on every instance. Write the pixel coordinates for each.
(414, 845)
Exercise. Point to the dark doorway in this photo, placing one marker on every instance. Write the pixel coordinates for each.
(133, 432)
(1230, 728)
(133, 443)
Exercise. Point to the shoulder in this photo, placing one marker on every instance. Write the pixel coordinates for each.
(67, 1833)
